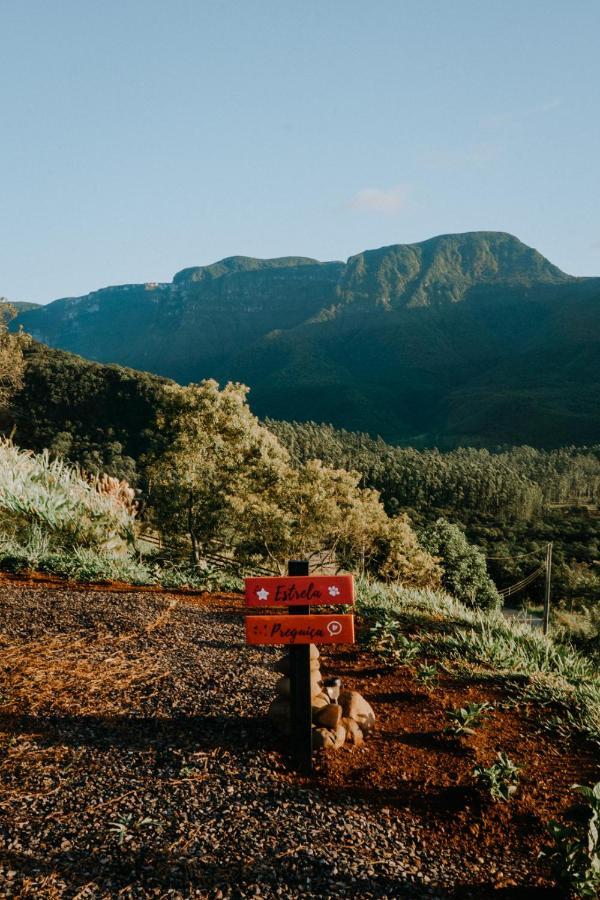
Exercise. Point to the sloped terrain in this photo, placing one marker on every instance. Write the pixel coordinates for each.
(135, 761)
(461, 339)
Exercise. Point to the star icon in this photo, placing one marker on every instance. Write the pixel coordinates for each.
(262, 594)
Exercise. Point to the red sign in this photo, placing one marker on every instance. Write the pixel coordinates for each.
(304, 590)
(292, 629)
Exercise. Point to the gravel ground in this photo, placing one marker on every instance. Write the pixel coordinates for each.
(135, 761)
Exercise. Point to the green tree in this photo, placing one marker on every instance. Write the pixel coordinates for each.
(210, 452)
(11, 356)
(464, 569)
(217, 474)
(321, 514)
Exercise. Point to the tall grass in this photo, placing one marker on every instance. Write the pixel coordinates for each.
(41, 495)
(546, 670)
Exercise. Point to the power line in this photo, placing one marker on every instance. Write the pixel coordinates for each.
(514, 588)
(518, 555)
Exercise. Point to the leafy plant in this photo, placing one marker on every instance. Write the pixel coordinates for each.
(500, 779)
(427, 674)
(126, 827)
(465, 719)
(386, 638)
(575, 856)
(40, 495)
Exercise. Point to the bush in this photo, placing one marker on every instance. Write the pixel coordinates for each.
(575, 855)
(465, 574)
(38, 494)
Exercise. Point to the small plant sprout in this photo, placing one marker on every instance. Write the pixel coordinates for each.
(427, 674)
(500, 779)
(386, 638)
(384, 629)
(465, 719)
(126, 827)
(575, 856)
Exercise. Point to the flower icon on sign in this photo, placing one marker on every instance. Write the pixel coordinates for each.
(334, 628)
(333, 591)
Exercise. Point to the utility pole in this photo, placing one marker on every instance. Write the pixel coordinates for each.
(546, 619)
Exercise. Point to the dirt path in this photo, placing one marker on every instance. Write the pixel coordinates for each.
(135, 761)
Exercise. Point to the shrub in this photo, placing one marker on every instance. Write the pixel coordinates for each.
(37, 493)
(465, 719)
(465, 573)
(575, 855)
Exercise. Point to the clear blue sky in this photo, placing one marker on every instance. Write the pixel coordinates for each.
(141, 136)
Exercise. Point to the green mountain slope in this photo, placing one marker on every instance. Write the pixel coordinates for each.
(470, 338)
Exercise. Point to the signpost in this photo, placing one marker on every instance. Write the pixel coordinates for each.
(318, 590)
(294, 629)
(298, 592)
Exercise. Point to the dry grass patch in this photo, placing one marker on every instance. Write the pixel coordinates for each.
(77, 674)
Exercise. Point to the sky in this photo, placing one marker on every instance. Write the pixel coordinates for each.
(139, 137)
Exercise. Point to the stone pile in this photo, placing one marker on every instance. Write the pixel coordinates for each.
(339, 715)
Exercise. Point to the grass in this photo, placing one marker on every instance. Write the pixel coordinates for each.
(88, 565)
(67, 675)
(474, 640)
(41, 495)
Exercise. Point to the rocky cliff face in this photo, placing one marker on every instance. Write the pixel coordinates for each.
(395, 341)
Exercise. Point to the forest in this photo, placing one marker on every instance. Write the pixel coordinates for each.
(509, 502)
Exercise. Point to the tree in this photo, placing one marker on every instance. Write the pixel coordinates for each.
(464, 569)
(210, 452)
(217, 474)
(11, 356)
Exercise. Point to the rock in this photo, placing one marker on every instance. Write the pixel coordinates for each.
(316, 683)
(353, 732)
(318, 702)
(329, 716)
(340, 737)
(280, 714)
(283, 685)
(323, 739)
(354, 706)
(282, 665)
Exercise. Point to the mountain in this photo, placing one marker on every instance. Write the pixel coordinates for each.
(20, 305)
(468, 338)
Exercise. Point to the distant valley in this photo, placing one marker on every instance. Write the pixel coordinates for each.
(462, 339)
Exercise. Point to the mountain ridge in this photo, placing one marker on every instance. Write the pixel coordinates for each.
(394, 341)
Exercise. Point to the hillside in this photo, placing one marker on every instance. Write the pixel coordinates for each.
(462, 339)
(137, 759)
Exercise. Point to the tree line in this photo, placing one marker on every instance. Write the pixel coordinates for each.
(510, 502)
(205, 467)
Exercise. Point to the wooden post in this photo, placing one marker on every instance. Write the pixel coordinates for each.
(546, 619)
(300, 687)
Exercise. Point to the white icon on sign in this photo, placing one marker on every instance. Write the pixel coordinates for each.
(334, 628)
(262, 594)
(333, 591)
